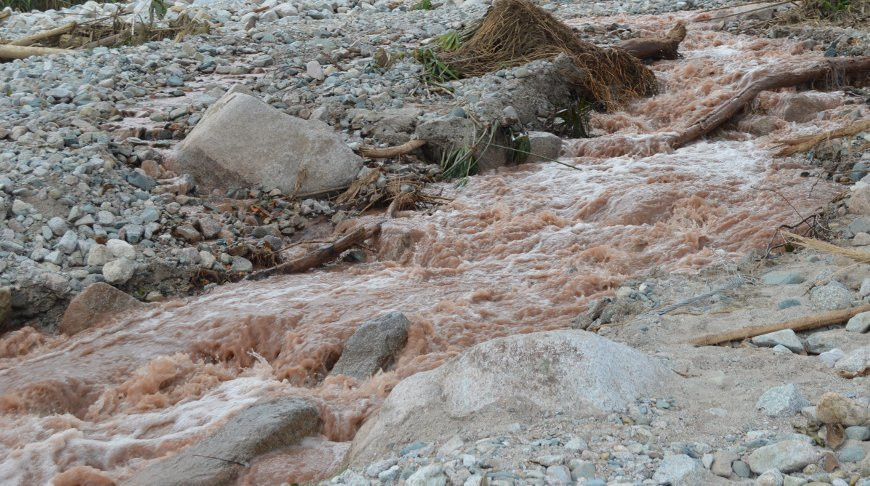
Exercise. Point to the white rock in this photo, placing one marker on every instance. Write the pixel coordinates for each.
(859, 323)
(99, 255)
(786, 337)
(121, 249)
(831, 357)
(678, 469)
(314, 70)
(782, 401)
(118, 271)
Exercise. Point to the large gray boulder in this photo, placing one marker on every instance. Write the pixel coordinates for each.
(242, 142)
(259, 429)
(512, 379)
(373, 346)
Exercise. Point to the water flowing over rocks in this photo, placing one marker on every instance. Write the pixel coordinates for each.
(373, 346)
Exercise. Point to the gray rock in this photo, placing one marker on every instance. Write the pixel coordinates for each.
(865, 288)
(859, 323)
(678, 469)
(544, 147)
(559, 474)
(819, 342)
(93, 306)
(140, 179)
(431, 475)
(741, 469)
(98, 255)
(782, 401)
(770, 478)
(242, 142)
(778, 277)
(241, 265)
(832, 296)
(256, 430)
(55, 257)
(854, 363)
(786, 303)
(858, 432)
(831, 357)
(373, 346)
(57, 225)
(851, 453)
(20, 208)
(68, 242)
(786, 337)
(118, 271)
(121, 249)
(786, 456)
(722, 461)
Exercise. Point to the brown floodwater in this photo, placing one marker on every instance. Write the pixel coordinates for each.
(516, 251)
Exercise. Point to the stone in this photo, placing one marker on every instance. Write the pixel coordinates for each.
(313, 69)
(770, 478)
(544, 147)
(138, 178)
(259, 429)
(782, 401)
(373, 346)
(21, 208)
(859, 323)
(832, 296)
(854, 363)
(95, 305)
(241, 265)
(834, 408)
(831, 357)
(851, 453)
(786, 303)
(431, 475)
(786, 337)
(242, 142)
(118, 271)
(573, 372)
(121, 249)
(819, 342)
(858, 432)
(722, 461)
(54, 257)
(559, 474)
(859, 200)
(864, 291)
(68, 242)
(786, 456)
(57, 225)
(678, 469)
(209, 227)
(779, 277)
(187, 233)
(741, 469)
(5, 305)
(576, 444)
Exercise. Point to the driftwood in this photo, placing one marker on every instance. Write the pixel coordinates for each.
(8, 53)
(778, 77)
(105, 41)
(655, 48)
(803, 324)
(807, 142)
(48, 34)
(5, 14)
(386, 153)
(319, 256)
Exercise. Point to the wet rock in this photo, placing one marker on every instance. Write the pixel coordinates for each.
(782, 401)
(859, 323)
(779, 277)
(832, 296)
(489, 386)
(256, 430)
(786, 338)
(854, 363)
(544, 146)
(373, 346)
(5, 305)
(242, 142)
(786, 456)
(834, 408)
(97, 303)
(118, 271)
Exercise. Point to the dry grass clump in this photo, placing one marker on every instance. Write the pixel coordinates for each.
(516, 32)
(846, 13)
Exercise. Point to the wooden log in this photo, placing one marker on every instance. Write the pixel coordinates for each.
(769, 79)
(802, 324)
(807, 142)
(105, 41)
(8, 53)
(655, 48)
(319, 256)
(5, 14)
(389, 152)
(48, 34)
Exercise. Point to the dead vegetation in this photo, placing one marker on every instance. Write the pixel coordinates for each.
(844, 13)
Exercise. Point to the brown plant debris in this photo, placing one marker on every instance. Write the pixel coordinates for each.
(516, 32)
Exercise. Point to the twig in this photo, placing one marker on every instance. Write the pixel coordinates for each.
(48, 34)
(807, 142)
(803, 324)
(733, 284)
(8, 53)
(857, 255)
(243, 464)
(389, 152)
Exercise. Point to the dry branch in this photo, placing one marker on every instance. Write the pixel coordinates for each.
(389, 152)
(803, 324)
(5, 14)
(48, 34)
(857, 255)
(9, 53)
(319, 256)
(807, 142)
(105, 41)
(655, 48)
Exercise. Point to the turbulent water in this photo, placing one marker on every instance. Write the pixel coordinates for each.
(516, 251)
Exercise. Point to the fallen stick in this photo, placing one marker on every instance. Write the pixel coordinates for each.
(802, 324)
(5, 14)
(814, 244)
(733, 284)
(807, 142)
(319, 256)
(9, 53)
(105, 41)
(48, 34)
(655, 48)
(389, 152)
(778, 77)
